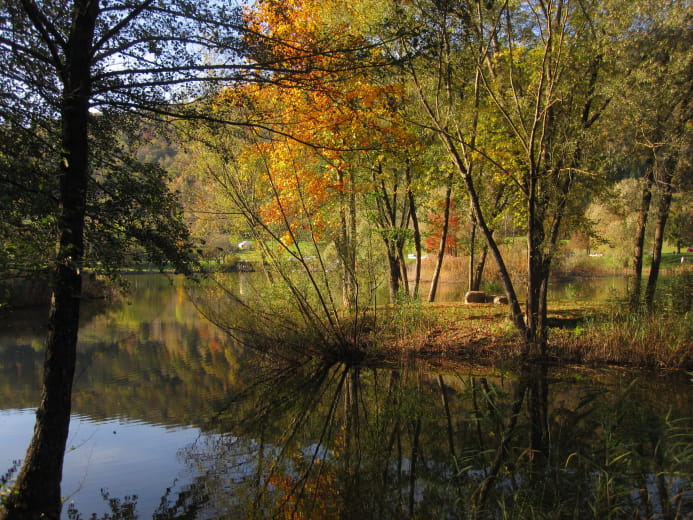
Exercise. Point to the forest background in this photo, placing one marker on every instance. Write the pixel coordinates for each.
(339, 139)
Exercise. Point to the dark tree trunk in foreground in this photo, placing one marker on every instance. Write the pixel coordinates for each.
(36, 493)
(59, 62)
(536, 277)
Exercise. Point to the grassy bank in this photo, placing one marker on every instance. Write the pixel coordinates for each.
(596, 334)
(630, 339)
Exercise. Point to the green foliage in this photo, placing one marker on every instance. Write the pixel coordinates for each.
(28, 205)
(675, 295)
(679, 230)
(133, 216)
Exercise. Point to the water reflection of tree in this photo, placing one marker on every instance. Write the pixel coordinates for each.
(346, 442)
(150, 358)
(328, 441)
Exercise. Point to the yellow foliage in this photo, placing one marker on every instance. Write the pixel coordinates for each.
(326, 124)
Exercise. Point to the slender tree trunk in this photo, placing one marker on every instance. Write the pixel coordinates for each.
(353, 281)
(638, 249)
(443, 239)
(515, 310)
(346, 248)
(472, 243)
(403, 265)
(36, 492)
(395, 272)
(479, 268)
(662, 214)
(535, 271)
(476, 267)
(417, 242)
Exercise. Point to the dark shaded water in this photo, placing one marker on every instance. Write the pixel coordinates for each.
(174, 420)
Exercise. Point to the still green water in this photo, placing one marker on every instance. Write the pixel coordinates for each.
(173, 419)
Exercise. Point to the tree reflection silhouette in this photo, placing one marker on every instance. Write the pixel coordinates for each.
(339, 441)
(315, 440)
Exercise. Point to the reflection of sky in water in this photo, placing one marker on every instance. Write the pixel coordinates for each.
(131, 457)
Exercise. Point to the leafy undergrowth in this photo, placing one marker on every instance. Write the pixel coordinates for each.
(483, 334)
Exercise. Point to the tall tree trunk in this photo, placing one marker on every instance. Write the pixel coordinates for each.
(36, 492)
(536, 341)
(403, 265)
(443, 239)
(673, 164)
(665, 176)
(395, 271)
(353, 281)
(472, 243)
(346, 248)
(479, 269)
(643, 212)
(417, 236)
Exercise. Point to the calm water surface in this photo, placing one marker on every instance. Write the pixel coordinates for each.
(172, 416)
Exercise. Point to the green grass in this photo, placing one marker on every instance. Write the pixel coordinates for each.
(673, 260)
(583, 265)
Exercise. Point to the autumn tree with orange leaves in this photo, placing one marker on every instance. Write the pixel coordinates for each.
(327, 150)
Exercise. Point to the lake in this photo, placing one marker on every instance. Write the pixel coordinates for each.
(174, 419)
